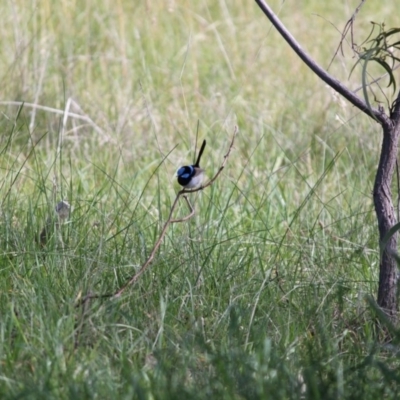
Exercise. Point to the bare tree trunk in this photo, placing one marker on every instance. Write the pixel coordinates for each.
(385, 212)
(386, 216)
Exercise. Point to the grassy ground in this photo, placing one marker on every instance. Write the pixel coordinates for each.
(263, 293)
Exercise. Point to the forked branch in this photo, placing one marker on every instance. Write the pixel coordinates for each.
(134, 278)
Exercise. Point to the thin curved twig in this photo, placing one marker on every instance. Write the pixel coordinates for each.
(173, 221)
(134, 278)
(348, 27)
(65, 113)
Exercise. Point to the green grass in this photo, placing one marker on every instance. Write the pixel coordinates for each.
(263, 294)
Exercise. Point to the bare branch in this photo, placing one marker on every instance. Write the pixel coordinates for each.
(145, 266)
(187, 216)
(374, 113)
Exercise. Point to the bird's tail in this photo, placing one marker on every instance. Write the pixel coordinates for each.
(200, 153)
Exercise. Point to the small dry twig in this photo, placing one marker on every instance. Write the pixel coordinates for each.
(348, 27)
(133, 279)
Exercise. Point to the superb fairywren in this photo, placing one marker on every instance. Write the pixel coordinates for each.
(191, 176)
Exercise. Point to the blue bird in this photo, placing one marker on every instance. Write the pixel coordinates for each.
(191, 176)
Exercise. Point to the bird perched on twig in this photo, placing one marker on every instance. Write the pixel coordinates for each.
(191, 176)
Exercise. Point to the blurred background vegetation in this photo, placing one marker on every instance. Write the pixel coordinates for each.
(262, 294)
